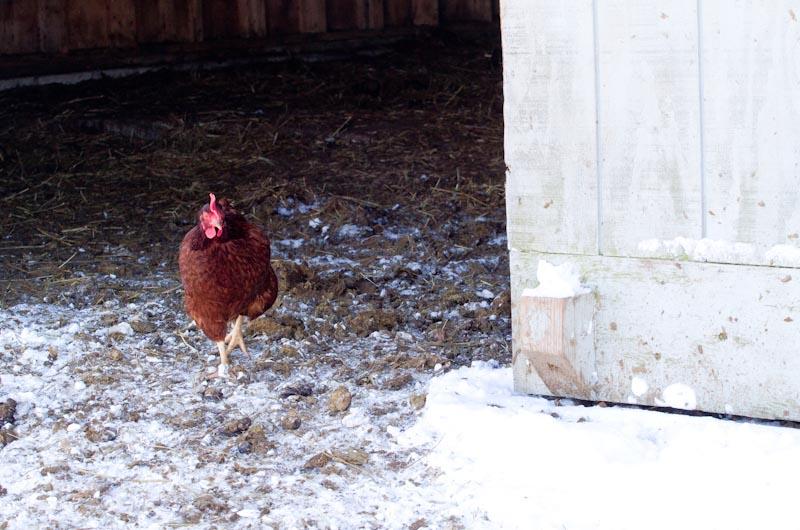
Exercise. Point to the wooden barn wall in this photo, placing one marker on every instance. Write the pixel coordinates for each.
(63, 26)
(653, 144)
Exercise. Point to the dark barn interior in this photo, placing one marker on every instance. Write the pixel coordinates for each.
(366, 138)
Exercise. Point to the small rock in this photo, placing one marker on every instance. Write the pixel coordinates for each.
(52, 354)
(300, 389)
(3, 491)
(235, 427)
(98, 433)
(141, 326)
(291, 421)
(7, 436)
(397, 382)
(582, 420)
(7, 412)
(419, 523)
(404, 336)
(255, 441)
(340, 400)
(317, 461)
(109, 319)
(115, 355)
(209, 503)
(352, 456)
(212, 393)
(417, 401)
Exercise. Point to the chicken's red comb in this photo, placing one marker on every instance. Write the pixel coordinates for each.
(213, 205)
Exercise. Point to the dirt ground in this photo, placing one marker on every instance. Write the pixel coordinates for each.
(380, 182)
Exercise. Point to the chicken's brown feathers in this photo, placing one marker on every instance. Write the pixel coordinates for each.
(228, 275)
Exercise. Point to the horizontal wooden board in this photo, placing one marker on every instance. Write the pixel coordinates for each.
(751, 110)
(550, 132)
(723, 334)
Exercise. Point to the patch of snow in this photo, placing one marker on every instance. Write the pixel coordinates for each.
(678, 396)
(291, 243)
(512, 461)
(561, 281)
(639, 386)
(349, 230)
(123, 328)
(720, 251)
(485, 294)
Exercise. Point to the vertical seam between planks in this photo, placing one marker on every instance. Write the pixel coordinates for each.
(599, 161)
(701, 91)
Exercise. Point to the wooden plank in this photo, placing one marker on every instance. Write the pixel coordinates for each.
(649, 115)
(550, 132)
(751, 67)
(87, 24)
(425, 12)
(121, 23)
(19, 26)
(466, 10)
(219, 19)
(252, 19)
(296, 16)
(346, 14)
(168, 21)
(669, 333)
(397, 13)
(52, 26)
(375, 14)
(189, 21)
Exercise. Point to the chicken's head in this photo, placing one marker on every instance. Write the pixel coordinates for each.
(212, 219)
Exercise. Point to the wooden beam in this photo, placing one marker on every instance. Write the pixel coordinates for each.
(554, 344)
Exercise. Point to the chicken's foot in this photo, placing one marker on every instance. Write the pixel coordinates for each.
(222, 369)
(235, 338)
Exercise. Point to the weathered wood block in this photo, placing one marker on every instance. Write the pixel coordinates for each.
(554, 346)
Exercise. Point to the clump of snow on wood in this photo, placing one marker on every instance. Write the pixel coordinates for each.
(512, 461)
(720, 251)
(678, 396)
(557, 281)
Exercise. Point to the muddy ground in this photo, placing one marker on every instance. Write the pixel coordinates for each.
(379, 181)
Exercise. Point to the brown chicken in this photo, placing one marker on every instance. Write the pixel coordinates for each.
(226, 274)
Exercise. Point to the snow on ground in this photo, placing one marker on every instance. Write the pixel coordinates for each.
(132, 439)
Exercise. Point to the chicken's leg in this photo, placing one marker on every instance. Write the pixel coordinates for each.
(235, 337)
(222, 369)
